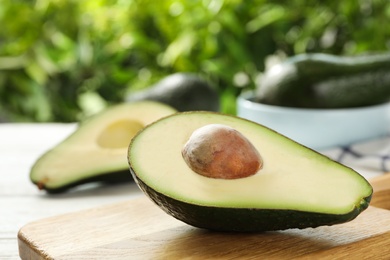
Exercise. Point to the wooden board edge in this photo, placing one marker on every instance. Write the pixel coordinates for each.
(27, 249)
(362, 249)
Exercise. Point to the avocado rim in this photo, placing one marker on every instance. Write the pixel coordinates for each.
(245, 219)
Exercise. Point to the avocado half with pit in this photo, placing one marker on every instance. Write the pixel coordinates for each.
(96, 150)
(291, 186)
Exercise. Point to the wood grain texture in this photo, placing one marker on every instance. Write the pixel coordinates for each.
(137, 229)
(381, 196)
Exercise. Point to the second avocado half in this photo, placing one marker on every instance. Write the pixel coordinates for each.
(96, 150)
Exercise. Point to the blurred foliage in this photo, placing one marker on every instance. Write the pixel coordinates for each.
(62, 60)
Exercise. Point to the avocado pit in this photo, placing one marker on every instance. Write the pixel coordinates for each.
(219, 151)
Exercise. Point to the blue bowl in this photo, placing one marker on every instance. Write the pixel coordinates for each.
(319, 129)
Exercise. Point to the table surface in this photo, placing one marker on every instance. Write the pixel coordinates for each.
(21, 202)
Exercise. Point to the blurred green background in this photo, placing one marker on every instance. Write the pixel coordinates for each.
(63, 60)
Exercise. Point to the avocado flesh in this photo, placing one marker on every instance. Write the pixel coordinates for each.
(96, 151)
(297, 187)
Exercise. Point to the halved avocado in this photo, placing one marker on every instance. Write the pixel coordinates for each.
(296, 187)
(96, 151)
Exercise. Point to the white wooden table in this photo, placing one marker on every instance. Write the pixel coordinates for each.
(21, 202)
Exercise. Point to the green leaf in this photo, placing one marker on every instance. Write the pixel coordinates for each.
(181, 46)
(266, 16)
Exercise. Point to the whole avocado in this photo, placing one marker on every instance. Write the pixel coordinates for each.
(318, 80)
(182, 91)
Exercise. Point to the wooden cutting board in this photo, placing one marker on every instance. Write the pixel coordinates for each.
(138, 229)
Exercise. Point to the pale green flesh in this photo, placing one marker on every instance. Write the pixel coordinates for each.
(98, 146)
(293, 177)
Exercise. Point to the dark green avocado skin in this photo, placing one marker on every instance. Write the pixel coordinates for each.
(117, 177)
(244, 220)
(318, 80)
(182, 91)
